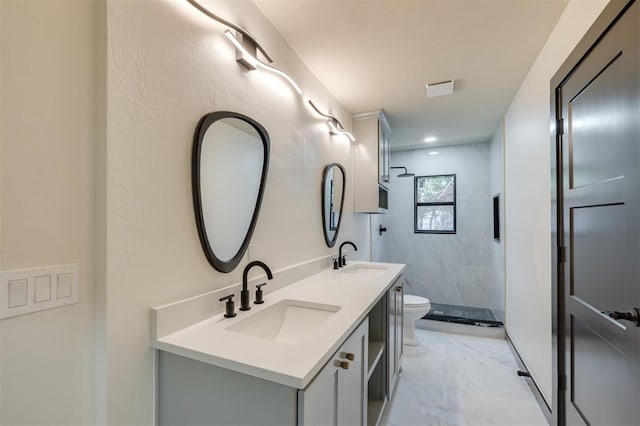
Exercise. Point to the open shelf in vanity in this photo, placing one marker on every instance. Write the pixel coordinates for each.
(385, 350)
(377, 366)
(376, 349)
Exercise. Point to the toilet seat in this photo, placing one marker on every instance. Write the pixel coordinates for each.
(411, 301)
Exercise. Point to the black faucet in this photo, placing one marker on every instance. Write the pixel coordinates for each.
(342, 259)
(244, 294)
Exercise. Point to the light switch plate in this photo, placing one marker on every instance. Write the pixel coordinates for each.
(23, 291)
(17, 290)
(42, 288)
(64, 283)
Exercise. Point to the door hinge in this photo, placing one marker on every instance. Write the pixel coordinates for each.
(562, 382)
(560, 126)
(562, 254)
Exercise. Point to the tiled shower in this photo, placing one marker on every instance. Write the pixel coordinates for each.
(460, 273)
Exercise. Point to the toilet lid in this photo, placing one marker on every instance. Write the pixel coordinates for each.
(414, 301)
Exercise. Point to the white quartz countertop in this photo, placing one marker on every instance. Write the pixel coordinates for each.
(290, 364)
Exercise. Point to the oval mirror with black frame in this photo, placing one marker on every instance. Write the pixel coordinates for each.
(333, 185)
(229, 164)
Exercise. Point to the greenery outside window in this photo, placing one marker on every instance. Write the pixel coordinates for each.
(435, 204)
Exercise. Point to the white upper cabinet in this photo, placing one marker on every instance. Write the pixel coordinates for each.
(384, 151)
(371, 162)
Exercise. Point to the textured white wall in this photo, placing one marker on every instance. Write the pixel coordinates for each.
(496, 186)
(167, 66)
(47, 139)
(453, 269)
(378, 241)
(527, 181)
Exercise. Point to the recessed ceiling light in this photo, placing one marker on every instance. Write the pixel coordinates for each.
(442, 88)
(434, 153)
(430, 139)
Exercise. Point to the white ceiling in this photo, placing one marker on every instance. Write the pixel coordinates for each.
(380, 54)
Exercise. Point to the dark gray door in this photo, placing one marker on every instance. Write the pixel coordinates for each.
(600, 158)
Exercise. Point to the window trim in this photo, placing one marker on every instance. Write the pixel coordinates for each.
(416, 205)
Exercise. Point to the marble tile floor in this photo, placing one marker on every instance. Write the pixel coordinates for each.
(456, 379)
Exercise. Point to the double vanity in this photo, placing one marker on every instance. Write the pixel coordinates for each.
(320, 350)
(318, 346)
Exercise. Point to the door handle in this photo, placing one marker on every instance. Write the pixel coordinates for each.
(633, 316)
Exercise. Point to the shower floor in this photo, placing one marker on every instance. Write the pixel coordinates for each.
(463, 315)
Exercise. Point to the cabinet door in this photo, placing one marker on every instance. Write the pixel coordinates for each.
(352, 381)
(318, 402)
(391, 338)
(399, 290)
(381, 152)
(338, 394)
(387, 158)
(384, 151)
(394, 343)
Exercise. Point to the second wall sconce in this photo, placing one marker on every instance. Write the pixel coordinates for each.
(335, 126)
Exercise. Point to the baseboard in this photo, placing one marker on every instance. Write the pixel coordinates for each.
(546, 410)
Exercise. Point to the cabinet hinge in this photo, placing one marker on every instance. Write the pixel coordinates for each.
(562, 254)
(560, 126)
(562, 382)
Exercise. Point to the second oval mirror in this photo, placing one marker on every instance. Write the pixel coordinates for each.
(229, 169)
(333, 184)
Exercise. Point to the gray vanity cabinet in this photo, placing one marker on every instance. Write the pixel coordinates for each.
(337, 395)
(385, 350)
(191, 393)
(349, 385)
(394, 341)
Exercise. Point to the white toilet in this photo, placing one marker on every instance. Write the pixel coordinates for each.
(415, 307)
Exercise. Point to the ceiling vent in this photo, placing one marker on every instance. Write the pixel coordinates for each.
(442, 88)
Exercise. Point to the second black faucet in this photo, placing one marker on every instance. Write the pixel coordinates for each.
(342, 259)
(244, 294)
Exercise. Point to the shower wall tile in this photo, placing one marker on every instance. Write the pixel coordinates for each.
(472, 286)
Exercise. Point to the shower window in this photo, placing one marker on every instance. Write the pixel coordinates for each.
(435, 204)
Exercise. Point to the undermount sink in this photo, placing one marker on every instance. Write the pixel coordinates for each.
(288, 321)
(364, 269)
